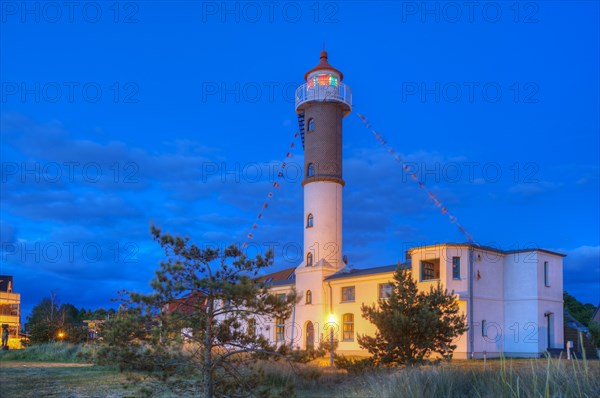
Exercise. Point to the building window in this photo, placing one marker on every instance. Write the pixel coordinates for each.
(279, 329)
(546, 274)
(430, 270)
(347, 294)
(309, 260)
(281, 297)
(310, 170)
(484, 328)
(455, 267)
(311, 124)
(310, 220)
(251, 330)
(308, 297)
(348, 327)
(385, 291)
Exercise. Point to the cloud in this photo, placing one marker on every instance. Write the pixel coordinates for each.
(582, 273)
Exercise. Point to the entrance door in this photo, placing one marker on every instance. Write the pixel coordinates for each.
(310, 336)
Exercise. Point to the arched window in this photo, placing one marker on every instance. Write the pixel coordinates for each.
(311, 124)
(310, 170)
(348, 327)
(309, 260)
(309, 220)
(308, 297)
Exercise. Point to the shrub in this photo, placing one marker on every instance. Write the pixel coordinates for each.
(354, 365)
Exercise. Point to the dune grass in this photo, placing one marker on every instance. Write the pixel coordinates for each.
(51, 352)
(59, 369)
(504, 378)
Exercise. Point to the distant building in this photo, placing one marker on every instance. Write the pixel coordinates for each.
(10, 309)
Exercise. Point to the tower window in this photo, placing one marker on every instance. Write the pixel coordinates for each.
(308, 297)
(310, 170)
(309, 260)
(546, 274)
(309, 220)
(311, 125)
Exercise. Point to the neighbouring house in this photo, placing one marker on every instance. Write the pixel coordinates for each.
(10, 310)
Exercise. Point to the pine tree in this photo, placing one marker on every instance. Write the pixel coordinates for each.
(412, 324)
(191, 331)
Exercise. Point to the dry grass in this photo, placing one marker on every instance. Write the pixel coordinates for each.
(460, 378)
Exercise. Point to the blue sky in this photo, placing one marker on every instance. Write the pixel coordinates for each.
(117, 115)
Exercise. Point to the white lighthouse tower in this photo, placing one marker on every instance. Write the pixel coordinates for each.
(321, 104)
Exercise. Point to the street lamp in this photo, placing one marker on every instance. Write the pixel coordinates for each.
(61, 335)
(331, 322)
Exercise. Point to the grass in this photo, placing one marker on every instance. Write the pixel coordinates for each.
(54, 370)
(503, 378)
(51, 352)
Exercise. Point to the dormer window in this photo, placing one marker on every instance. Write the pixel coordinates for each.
(309, 220)
(310, 170)
(311, 125)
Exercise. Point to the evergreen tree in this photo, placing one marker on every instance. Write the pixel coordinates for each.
(190, 332)
(412, 324)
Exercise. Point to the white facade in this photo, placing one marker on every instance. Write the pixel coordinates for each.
(513, 300)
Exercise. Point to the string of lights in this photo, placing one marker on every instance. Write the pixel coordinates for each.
(276, 185)
(415, 177)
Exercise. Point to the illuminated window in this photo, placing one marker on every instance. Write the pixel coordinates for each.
(309, 260)
(348, 327)
(308, 297)
(430, 270)
(385, 291)
(309, 220)
(280, 329)
(455, 267)
(348, 293)
(310, 170)
(322, 80)
(311, 124)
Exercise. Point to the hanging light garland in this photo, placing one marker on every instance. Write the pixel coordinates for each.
(276, 185)
(414, 177)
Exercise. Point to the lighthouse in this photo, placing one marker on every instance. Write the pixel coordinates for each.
(321, 105)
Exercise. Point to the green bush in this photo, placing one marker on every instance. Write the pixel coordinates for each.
(354, 365)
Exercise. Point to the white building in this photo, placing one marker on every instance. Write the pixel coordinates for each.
(512, 300)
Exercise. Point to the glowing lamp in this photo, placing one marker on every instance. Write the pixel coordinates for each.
(331, 318)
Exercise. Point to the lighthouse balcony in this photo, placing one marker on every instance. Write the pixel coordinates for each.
(340, 93)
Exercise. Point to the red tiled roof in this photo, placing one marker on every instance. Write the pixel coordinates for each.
(187, 305)
(278, 276)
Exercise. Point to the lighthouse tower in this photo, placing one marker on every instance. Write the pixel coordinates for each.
(321, 104)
